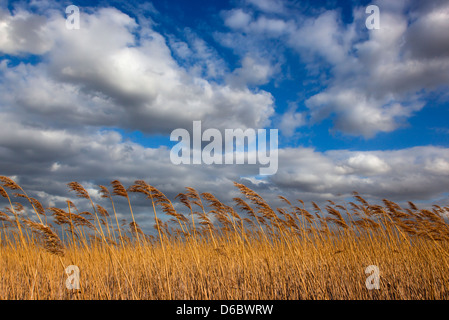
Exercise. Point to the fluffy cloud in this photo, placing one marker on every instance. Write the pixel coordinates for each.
(425, 37)
(252, 72)
(23, 32)
(290, 121)
(119, 81)
(273, 6)
(369, 81)
(358, 113)
(379, 82)
(414, 173)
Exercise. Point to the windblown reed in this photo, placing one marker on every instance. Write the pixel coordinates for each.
(206, 249)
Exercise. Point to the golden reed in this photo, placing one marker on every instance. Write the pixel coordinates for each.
(205, 249)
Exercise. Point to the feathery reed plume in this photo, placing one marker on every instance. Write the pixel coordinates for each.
(317, 209)
(354, 206)
(4, 194)
(106, 194)
(360, 199)
(102, 211)
(160, 199)
(412, 206)
(219, 209)
(142, 187)
(185, 200)
(246, 208)
(285, 200)
(9, 183)
(339, 218)
(82, 193)
(263, 207)
(19, 207)
(4, 217)
(61, 217)
(78, 189)
(119, 190)
(80, 221)
(52, 242)
(195, 196)
(366, 223)
(72, 205)
(135, 228)
(33, 201)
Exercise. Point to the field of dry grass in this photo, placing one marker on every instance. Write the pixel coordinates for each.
(214, 251)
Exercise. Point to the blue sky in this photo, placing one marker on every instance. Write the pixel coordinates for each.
(204, 18)
(422, 128)
(356, 109)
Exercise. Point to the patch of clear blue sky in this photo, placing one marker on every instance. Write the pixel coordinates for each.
(16, 60)
(146, 140)
(427, 127)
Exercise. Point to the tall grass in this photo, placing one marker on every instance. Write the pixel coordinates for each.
(210, 250)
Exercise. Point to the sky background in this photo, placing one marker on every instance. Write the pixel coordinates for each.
(356, 109)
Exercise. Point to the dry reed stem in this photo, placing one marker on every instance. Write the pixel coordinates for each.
(242, 253)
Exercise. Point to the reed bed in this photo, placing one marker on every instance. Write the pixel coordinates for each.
(210, 250)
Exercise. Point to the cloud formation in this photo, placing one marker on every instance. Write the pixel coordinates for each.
(103, 75)
(379, 82)
(63, 110)
(371, 81)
